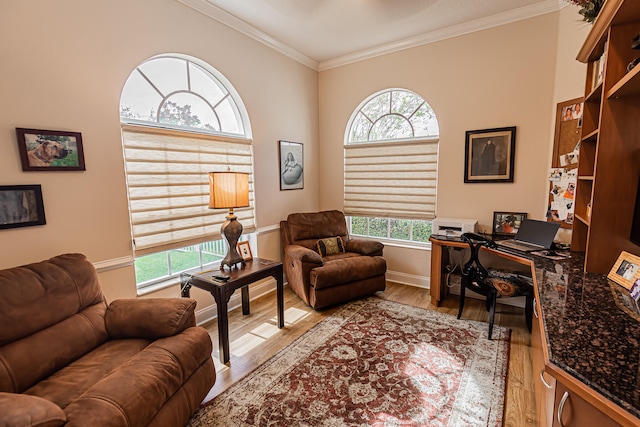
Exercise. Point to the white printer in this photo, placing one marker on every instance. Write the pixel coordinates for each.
(454, 227)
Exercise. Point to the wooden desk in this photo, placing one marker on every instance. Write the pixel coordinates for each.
(437, 287)
(239, 278)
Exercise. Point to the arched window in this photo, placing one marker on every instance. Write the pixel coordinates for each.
(391, 159)
(181, 119)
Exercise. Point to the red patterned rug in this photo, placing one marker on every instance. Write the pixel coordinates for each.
(374, 362)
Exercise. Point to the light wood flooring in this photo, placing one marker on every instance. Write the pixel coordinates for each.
(255, 338)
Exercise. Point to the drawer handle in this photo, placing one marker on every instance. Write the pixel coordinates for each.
(565, 396)
(546, 384)
(535, 309)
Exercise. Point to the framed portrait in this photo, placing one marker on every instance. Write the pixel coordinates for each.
(489, 155)
(291, 165)
(507, 223)
(21, 206)
(50, 150)
(245, 251)
(626, 270)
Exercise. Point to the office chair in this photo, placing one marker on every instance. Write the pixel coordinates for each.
(492, 283)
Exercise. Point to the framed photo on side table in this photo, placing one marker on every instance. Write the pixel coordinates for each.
(489, 155)
(626, 270)
(245, 251)
(507, 223)
(50, 150)
(21, 206)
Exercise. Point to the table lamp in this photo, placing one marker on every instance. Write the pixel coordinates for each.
(229, 190)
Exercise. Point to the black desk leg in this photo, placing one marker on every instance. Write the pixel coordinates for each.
(223, 326)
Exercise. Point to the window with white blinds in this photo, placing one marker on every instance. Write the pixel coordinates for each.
(391, 157)
(391, 179)
(167, 179)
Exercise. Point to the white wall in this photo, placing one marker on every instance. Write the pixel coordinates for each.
(63, 65)
(503, 76)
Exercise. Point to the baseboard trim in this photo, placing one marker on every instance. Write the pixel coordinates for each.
(408, 279)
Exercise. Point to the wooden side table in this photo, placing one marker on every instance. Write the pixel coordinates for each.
(254, 270)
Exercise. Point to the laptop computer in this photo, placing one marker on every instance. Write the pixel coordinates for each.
(532, 235)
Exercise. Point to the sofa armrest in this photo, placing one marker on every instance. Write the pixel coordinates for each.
(303, 254)
(364, 247)
(25, 410)
(149, 317)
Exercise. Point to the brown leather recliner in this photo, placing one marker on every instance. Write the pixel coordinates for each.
(69, 358)
(352, 267)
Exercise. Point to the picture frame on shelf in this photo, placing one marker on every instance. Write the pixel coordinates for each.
(507, 223)
(626, 270)
(21, 206)
(291, 165)
(490, 155)
(245, 251)
(50, 150)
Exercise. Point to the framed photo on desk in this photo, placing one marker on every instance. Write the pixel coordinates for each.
(626, 270)
(507, 223)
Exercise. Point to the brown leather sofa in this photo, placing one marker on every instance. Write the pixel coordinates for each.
(354, 268)
(69, 358)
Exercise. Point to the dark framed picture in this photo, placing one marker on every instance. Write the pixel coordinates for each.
(50, 150)
(507, 223)
(489, 155)
(291, 165)
(245, 250)
(21, 206)
(626, 270)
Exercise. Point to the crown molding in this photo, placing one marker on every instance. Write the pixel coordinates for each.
(447, 33)
(231, 21)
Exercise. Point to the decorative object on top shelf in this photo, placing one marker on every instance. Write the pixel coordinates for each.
(590, 8)
(50, 150)
(229, 190)
(291, 165)
(626, 270)
(489, 155)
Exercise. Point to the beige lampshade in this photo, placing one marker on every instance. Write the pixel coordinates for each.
(228, 190)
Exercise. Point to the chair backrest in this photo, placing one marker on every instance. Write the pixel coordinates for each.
(473, 270)
(51, 313)
(306, 228)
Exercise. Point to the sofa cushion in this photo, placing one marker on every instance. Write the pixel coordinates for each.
(330, 246)
(29, 411)
(149, 317)
(345, 269)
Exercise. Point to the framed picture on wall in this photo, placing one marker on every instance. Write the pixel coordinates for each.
(291, 165)
(507, 223)
(489, 155)
(50, 150)
(21, 206)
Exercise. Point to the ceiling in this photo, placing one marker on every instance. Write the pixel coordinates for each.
(327, 33)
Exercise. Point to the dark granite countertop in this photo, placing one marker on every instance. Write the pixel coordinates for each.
(592, 327)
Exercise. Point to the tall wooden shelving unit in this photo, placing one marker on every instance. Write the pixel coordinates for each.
(609, 162)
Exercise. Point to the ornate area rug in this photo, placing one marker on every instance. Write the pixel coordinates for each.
(374, 363)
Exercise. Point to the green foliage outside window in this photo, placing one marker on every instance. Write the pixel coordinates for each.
(397, 229)
(400, 229)
(378, 227)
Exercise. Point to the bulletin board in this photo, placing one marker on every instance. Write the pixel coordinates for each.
(564, 163)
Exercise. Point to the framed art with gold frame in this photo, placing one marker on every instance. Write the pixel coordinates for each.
(245, 251)
(626, 270)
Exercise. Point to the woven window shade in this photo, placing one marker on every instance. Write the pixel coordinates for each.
(391, 179)
(168, 184)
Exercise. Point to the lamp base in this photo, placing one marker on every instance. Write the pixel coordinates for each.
(231, 230)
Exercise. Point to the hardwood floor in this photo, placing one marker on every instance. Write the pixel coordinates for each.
(255, 338)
